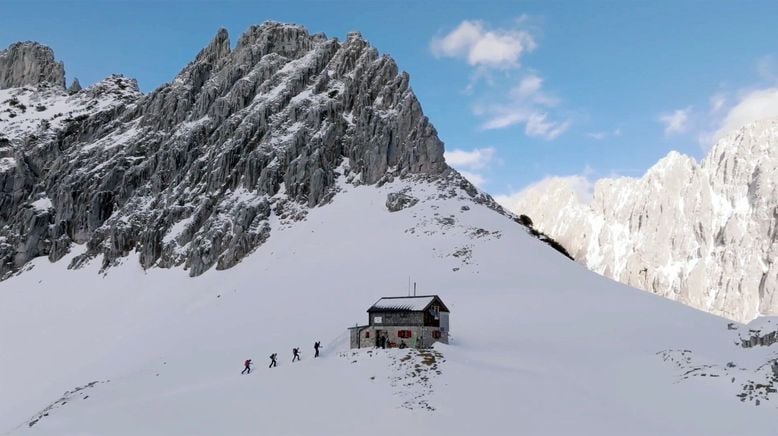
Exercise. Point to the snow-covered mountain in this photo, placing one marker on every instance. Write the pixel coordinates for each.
(190, 174)
(303, 169)
(700, 233)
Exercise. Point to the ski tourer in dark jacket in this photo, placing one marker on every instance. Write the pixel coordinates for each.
(316, 347)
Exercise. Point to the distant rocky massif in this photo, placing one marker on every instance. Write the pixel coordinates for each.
(702, 233)
(195, 172)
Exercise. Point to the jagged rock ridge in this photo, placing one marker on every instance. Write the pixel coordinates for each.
(704, 234)
(29, 63)
(192, 173)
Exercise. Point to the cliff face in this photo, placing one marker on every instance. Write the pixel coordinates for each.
(192, 173)
(704, 234)
(29, 63)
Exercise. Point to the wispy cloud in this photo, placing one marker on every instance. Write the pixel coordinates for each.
(539, 125)
(483, 47)
(474, 178)
(578, 186)
(604, 134)
(525, 101)
(752, 106)
(730, 110)
(717, 102)
(675, 122)
(528, 105)
(478, 158)
(471, 163)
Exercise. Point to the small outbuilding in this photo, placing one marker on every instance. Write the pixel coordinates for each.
(417, 321)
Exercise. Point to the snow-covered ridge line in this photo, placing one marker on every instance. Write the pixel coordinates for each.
(700, 233)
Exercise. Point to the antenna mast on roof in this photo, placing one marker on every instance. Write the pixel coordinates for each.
(409, 286)
(414, 289)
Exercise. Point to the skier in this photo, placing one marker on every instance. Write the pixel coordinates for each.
(295, 354)
(246, 367)
(273, 360)
(316, 347)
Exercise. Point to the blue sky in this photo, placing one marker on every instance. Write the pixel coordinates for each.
(519, 91)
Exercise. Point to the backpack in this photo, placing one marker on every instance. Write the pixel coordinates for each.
(247, 362)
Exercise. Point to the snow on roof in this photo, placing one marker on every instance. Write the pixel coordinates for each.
(403, 303)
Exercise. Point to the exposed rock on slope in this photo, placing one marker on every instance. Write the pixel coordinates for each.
(195, 172)
(703, 234)
(29, 63)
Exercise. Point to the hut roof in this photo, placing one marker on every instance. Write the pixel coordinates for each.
(410, 304)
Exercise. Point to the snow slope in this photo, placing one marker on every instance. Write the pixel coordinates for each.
(540, 344)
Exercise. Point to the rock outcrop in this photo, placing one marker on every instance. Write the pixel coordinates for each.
(704, 234)
(75, 86)
(397, 201)
(30, 63)
(191, 173)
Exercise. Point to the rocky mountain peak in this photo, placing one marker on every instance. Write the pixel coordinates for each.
(192, 173)
(217, 49)
(75, 86)
(30, 63)
(701, 233)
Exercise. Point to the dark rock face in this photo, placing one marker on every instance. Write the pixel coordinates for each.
(30, 63)
(191, 173)
(397, 201)
(74, 87)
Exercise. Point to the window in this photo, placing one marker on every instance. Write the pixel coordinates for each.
(436, 334)
(367, 334)
(404, 334)
(377, 319)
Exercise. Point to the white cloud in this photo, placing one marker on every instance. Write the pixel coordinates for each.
(580, 185)
(480, 46)
(528, 86)
(530, 89)
(528, 105)
(505, 119)
(474, 159)
(752, 106)
(474, 178)
(488, 49)
(676, 121)
(538, 125)
(471, 163)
